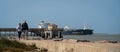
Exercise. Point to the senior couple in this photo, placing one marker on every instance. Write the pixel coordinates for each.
(22, 28)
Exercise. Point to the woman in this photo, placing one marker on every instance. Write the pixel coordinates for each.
(19, 30)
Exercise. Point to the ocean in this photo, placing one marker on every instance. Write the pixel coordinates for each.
(94, 37)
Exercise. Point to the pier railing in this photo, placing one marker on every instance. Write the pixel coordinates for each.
(41, 32)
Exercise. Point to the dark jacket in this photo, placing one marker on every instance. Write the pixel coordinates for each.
(24, 26)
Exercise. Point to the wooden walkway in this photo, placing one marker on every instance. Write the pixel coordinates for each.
(30, 30)
(43, 32)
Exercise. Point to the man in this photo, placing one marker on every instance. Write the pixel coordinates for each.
(25, 29)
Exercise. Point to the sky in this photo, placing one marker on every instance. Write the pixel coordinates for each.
(103, 16)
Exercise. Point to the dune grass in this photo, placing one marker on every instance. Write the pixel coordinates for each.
(14, 46)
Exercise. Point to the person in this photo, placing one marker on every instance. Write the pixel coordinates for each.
(25, 29)
(19, 30)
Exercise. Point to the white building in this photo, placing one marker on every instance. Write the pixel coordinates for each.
(43, 25)
(47, 25)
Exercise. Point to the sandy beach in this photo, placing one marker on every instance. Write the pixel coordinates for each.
(72, 46)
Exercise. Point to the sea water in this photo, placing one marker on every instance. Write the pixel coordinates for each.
(94, 37)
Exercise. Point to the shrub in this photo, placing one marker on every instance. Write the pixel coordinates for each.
(13, 45)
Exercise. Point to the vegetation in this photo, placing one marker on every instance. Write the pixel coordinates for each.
(14, 46)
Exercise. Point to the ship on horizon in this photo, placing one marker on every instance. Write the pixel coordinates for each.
(83, 31)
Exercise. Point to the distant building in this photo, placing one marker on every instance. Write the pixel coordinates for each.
(52, 26)
(51, 30)
(66, 28)
(47, 25)
(43, 25)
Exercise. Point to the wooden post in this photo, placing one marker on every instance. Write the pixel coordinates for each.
(51, 34)
(45, 34)
(0, 33)
(59, 34)
(30, 34)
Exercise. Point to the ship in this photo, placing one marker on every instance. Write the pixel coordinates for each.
(83, 31)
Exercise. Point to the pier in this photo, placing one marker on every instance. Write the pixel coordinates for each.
(39, 32)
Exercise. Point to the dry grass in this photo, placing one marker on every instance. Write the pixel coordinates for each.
(14, 46)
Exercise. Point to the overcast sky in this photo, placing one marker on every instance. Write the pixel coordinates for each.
(101, 15)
